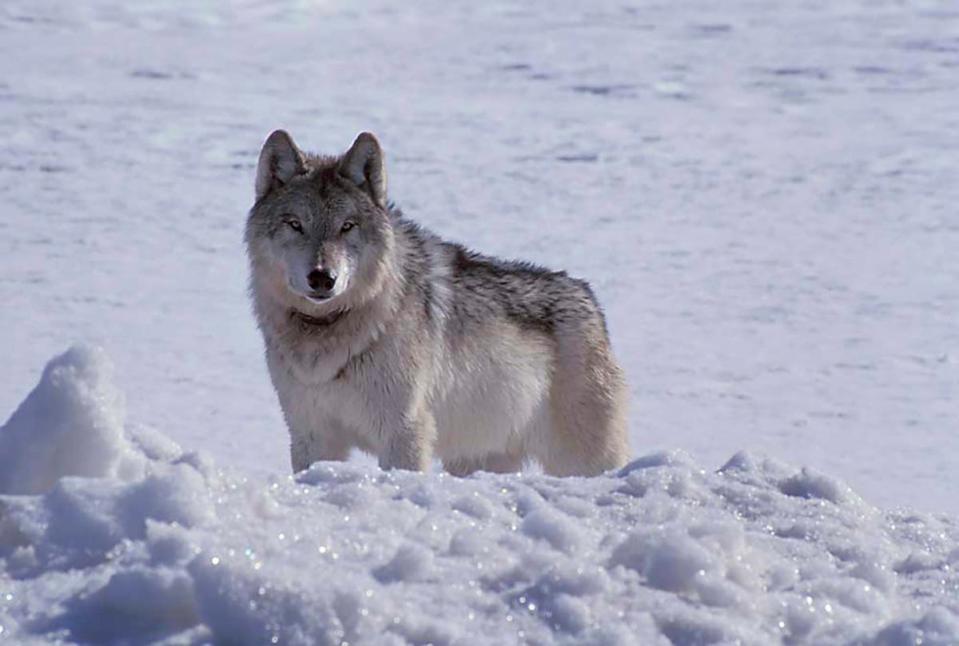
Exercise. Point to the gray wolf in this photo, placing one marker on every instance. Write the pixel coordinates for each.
(383, 337)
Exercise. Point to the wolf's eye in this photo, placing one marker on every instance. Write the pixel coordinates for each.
(295, 224)
(347, 226)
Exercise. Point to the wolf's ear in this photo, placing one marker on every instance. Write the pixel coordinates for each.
(363, 165)
(280, 161)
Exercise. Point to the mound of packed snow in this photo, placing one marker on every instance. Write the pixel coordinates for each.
(113, 535)
(72, 424)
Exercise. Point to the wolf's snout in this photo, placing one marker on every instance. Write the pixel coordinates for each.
(321, 280)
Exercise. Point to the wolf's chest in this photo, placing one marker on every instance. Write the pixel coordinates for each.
(311, 402)
(309, 362)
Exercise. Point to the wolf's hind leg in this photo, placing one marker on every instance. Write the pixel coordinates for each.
(588, 399)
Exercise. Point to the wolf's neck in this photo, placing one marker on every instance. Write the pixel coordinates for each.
(319, 321)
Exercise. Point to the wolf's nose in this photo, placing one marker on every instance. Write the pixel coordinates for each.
(321, 279)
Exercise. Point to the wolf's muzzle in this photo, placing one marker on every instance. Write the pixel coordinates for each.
(322, 282)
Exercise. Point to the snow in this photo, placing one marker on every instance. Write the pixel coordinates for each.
(762, 195)
(183, 550)
(83, 416)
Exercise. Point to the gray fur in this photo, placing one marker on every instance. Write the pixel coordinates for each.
(423, 348)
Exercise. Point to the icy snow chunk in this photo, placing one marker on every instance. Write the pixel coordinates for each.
(168, 544)
(668, 560)
(153, 444)
(670, 473)
(938, 627)
(333, 473)
(875, 573)
(425, 632)
(682, 626)
(570, 614)
(676, 483)
(569, 578)
(70, 424)
(811, 484)
(354, 497)
(81, 520)
(138, 605)
(741, 461)
(410, 563)
(234, 602)
(473, 505)
(556, 529)
(174, 494)
(917, 562)
(674, 458)
(641, 629)
(467, 542)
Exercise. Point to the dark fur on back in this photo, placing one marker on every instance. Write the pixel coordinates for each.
(488, 288)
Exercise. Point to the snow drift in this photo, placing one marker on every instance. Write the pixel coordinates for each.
(110, 532)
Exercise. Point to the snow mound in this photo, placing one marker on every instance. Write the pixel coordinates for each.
(135, 540)
(72, 424)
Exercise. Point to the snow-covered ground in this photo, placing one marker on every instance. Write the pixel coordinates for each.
(763, 195)
(154, 544)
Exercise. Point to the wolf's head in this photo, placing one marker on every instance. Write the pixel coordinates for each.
(319, 236)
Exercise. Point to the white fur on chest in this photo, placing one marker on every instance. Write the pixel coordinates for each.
(317, 406)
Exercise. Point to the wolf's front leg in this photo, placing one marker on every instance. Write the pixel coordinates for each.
(328, 444)
(410, 446)
(299, 454)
